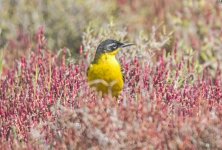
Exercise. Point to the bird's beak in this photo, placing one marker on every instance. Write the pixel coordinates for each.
(127, 44)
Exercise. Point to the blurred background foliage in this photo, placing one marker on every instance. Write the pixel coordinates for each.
(191, 24)
(64, 21)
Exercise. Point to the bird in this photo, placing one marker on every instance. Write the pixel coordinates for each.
(105, 72)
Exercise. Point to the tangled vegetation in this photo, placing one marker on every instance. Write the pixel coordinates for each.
(173, 83)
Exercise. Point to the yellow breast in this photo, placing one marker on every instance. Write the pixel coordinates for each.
(106, 76)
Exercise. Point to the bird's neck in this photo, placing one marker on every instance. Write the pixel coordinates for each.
(105, 58)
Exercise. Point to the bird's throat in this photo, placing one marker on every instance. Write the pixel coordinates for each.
(107, 58)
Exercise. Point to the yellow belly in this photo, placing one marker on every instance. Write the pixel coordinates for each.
(106, 76)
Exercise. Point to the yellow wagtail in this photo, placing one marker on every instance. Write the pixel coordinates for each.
(105, 72)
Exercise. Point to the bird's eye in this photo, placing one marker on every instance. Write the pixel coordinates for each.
(115, 46)
(112, 46)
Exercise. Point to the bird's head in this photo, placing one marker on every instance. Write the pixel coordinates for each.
(111, 47)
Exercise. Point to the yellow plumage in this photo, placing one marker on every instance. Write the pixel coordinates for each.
(106, 75)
